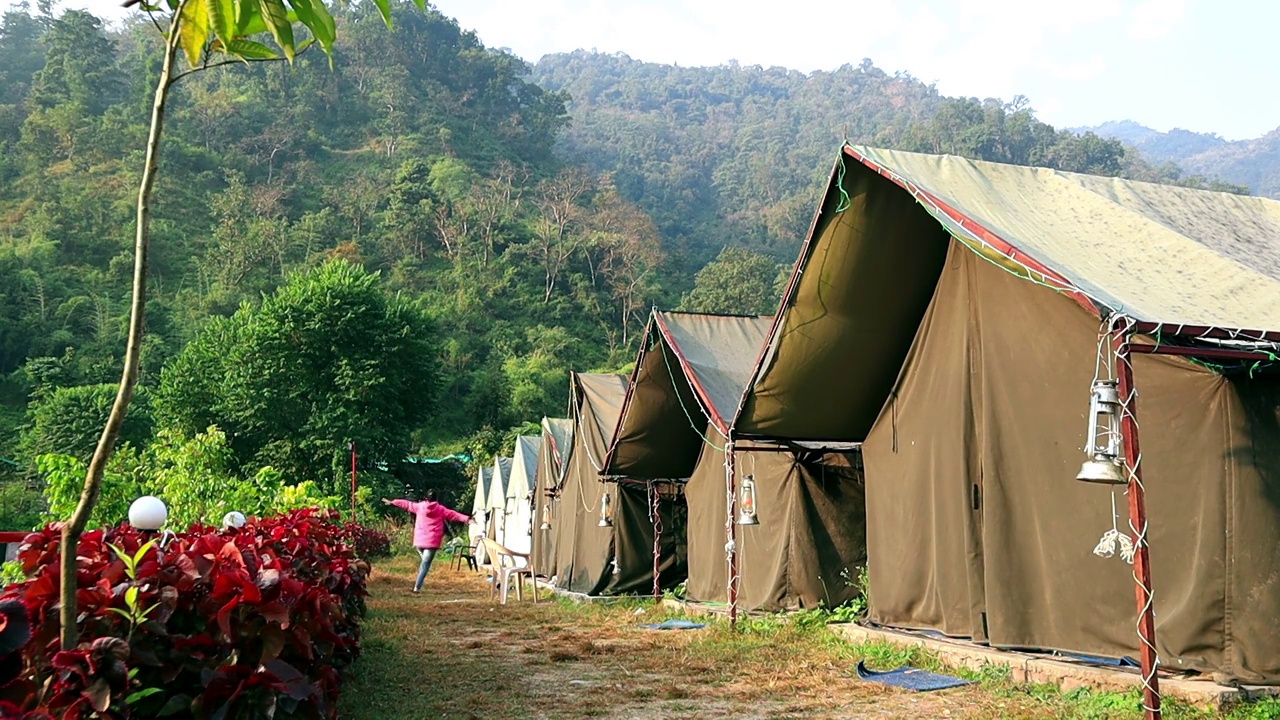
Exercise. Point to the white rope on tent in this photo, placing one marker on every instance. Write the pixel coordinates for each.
(581, 436)
(1127, 404)
(731, 545)
(1116, 327)
(662, 347)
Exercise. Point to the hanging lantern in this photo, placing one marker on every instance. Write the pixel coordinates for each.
(1104, 465)
(606, 511)
(546, 517)
(747, 502)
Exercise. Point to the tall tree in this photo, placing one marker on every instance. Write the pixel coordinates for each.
(205, 31)
(327, 359)
(738, 281)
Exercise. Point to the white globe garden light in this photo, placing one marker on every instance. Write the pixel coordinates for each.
(148, 513)
(233, 519)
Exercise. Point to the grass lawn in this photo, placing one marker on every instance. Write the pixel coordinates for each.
(450, 653)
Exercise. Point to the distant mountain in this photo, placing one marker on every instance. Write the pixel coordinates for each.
(1255, 163)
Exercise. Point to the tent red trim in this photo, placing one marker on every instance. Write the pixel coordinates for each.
(703, 395)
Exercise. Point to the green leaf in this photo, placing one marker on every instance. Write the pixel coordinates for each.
(143, 693)
(222, 18)
(193, 29)
(142, 552)
(250, 50)
(384, 7)
(249, 19)
(121, 613)
(315, 16)
(276, 16)
(131, 597)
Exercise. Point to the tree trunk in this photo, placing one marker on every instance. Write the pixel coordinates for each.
(74, 527)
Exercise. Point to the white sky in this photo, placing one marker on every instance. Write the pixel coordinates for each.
(1197, 64)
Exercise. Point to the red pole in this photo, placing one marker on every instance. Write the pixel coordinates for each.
(732, 532)
(1138, 520)
(354, 484)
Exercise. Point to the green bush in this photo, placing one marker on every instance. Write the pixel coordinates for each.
(196, 477)
(68, 421)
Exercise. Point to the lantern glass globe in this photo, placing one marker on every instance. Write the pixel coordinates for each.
(148, 513)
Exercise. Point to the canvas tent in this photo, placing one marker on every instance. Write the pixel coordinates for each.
(479, 514)
(517, 532)
(557, 438)
(947, 312)
(689, 379)
(496, 503)
(590, 558)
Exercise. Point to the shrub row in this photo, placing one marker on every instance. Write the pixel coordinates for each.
(367, 542)
(251, 623)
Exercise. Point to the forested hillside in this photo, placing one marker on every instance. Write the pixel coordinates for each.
(422, 155)
(735, 155)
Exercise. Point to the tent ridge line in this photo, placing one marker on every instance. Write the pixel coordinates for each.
(691, 377)
(626, 398)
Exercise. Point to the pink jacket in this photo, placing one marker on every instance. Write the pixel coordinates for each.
(428, 527)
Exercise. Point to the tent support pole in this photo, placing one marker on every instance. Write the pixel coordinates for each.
(1138, 519)
(654, 509)
(731, 529)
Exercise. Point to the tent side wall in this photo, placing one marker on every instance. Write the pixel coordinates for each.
(544, 554)
(809, 544)
(976, 526)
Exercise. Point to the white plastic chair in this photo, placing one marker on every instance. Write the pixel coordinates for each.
(504, 565)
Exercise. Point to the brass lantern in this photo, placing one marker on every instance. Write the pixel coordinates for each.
(1104, 466)
(606, 511)
(747, 502)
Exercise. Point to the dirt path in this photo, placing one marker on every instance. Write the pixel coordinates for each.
(450, 653)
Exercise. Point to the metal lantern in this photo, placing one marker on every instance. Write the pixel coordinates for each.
(747, 502)
(1104, 465)
(148, 513)
(546, 517)
(606, 511)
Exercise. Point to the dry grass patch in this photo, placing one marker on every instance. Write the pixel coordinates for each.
(450, 653)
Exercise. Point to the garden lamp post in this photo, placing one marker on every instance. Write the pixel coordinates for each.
(233, 520)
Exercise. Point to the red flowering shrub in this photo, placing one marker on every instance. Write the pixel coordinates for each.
(368, 543)
(250, 623)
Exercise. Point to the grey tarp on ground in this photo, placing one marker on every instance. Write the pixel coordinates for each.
(557, 437)
(518, 529)
(968, 378)
(810, 537)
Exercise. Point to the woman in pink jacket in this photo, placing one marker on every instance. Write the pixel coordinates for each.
(428, 528)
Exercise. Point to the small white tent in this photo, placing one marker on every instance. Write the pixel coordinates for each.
(517, 534)
(476, 527)
(495, 506)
